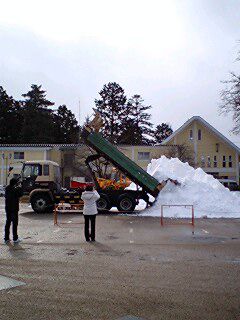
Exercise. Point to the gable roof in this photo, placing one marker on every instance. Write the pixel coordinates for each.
(206, 124)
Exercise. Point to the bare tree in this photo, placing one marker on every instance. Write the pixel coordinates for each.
(230, 97)
(183, 152)
(80, 156)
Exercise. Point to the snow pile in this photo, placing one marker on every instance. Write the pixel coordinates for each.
(209, 197)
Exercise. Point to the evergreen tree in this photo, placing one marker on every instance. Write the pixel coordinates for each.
(131, 133)
(38, 125)
(137, 125)
(112, 108)
(86, 123)
(162, 131)
(67, 129)
(10, 118)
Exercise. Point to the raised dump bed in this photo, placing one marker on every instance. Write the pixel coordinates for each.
(123, 163)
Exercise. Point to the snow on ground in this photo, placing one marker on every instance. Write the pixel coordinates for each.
(209, 197)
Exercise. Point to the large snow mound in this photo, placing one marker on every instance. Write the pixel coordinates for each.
(208, 196)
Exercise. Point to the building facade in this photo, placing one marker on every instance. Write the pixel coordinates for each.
(142, 154)
(15, 155)
(211, 150)
(70, 157)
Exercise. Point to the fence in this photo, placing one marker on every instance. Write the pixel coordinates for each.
(67, 208)
(192, 223)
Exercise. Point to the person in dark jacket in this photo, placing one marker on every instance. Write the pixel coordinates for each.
(12, 195)
(90, 197)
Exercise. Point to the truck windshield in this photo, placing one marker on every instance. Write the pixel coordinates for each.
(32, 170)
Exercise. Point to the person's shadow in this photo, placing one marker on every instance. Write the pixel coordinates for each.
(105, 249)
(37, 216)
(17, 251)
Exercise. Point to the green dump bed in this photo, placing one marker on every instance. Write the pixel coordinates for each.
(122, 162)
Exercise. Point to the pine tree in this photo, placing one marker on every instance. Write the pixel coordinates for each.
(38, 125)
(162, 131)
(10, 118)
(67, 129)
(112, 108)
(81, 135)
(137, 125)
(131, 134)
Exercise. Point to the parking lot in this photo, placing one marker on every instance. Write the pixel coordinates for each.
(135, 268)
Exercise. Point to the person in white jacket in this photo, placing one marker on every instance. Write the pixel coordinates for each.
(90, 197)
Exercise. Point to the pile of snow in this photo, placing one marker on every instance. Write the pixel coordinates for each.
(209, 197)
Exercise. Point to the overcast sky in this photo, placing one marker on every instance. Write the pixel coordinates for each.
(173, 53)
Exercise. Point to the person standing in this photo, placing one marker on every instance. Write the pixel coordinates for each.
(90, 197)
(12, 195)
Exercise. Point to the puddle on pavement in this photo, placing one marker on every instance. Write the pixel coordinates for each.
(112, 237)
(72, 252)
(130, 318)
(210, 239)
(8, 283)
(235, 261)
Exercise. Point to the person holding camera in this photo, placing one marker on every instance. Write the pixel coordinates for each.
(90, 197)
(12, 194)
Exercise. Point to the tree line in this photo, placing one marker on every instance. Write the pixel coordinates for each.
(33, 119)
(127, 121)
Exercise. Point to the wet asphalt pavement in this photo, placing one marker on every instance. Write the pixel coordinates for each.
(136, 267)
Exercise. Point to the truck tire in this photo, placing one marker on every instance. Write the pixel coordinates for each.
(42, 203)
(126, 203)
(103, 204)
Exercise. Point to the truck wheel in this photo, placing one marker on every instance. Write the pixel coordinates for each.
(41, 203)
(126, 203)
(103, 204)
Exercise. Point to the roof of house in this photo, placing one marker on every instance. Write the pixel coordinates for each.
(206, 124)
(65, 146)
(40, 145)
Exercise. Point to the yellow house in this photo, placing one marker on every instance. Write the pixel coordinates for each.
(211, 150)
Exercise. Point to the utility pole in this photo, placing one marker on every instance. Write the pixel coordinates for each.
(79, 133)
(8, 156)
(79, 104)
(6, 172)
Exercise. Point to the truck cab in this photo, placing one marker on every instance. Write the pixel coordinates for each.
(42, 174)
(41, 184)
(41, 180)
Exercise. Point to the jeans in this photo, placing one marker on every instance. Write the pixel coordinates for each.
(12, 218)
(91, 218)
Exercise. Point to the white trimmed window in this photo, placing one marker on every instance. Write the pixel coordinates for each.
(215, 161)
(209, 162)
(230, 161)
(224, 161)
(191, 134)
(18, 155)
(143, 155)
(199, 134)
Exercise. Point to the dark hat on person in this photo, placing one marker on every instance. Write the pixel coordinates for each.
(89, 188)
(13, 182)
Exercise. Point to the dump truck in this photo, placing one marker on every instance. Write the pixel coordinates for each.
(125, 200)
(40, 180)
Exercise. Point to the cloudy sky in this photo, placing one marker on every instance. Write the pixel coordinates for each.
(174, 53)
